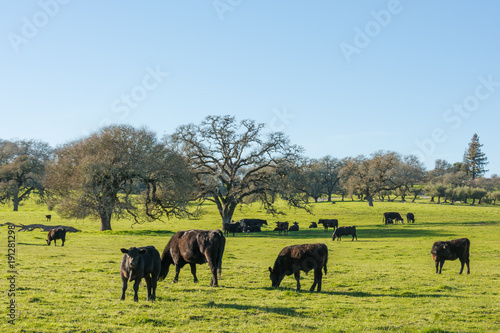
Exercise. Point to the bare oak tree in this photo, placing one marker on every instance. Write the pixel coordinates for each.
(118, 170)
(22, 167)
(234, 164)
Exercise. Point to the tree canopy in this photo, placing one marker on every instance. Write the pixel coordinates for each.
(22, 168)
(101, 174)
(235, 162)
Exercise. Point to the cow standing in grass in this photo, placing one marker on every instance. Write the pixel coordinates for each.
(451, 250)
(343, 231)
(296, 258)
(138, 263)
(329, 223)
(194, 247)
(56, 233)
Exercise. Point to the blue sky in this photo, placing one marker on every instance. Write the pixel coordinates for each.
(339, 78)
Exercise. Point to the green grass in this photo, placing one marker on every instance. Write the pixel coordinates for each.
(383, 282)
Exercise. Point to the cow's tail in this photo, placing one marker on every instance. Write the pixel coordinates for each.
(326, 262)
(166, 261)
(220, 254)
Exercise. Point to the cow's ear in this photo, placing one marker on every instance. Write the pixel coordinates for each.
(124, 250)
(270, 269)
(143, 251)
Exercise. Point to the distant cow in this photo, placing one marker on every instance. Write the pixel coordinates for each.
(296, 258)
(231, 227)
(282, 226)
(343, 231)
(194, 247)
(48, 217)
(329, 223)
(137, 263)
(252, 228)
(313, 225)
(451, 250)
(410, 218)
(56, 233)
(294, 227)
(392, 216)
(252, 222)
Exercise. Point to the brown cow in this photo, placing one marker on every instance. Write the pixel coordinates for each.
(296, 258)
(451, 250)
(194, 247)
(137, 263)
(56, 233)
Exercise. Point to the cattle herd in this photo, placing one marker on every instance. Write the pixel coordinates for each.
(195, 247)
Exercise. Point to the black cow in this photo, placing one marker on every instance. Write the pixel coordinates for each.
(252, 222)
(48, 217)
(252, 228)
(231, 227)
(137, 263)
(410, 218)
(194, 247)
(392, 216)
(343, 231)
(56, 233)
(313, 225)
(451, 250)
(329, 223)
(296, 258)
(282, 226)
(294, 227)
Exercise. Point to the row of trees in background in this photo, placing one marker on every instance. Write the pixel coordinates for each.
(121, 170)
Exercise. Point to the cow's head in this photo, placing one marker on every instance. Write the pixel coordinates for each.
(275, 277)
(133, 256)
(334, 235)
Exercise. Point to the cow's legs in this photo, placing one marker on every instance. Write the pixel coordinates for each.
(193, 271)
(297, 277)
(136, 289)
(124, 288)
(154, 281)
(441, 263)
(177, 271)
(318, 274)
(62, 242)
(148, 285)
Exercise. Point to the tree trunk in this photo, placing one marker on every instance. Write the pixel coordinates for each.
(106, 221)
(15, 202)
(370, 200)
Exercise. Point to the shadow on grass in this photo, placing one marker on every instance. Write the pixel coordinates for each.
(366, 294)
(141, 232)
(31, 244)
(278, 310)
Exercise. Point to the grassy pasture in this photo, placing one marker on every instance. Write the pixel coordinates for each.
(383, 282)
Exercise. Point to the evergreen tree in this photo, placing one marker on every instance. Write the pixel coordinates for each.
(475, 159)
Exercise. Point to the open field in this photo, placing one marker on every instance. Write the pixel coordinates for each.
(384, 281)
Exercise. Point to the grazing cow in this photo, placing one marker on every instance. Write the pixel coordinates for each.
(194, 247)
(296, 258)
(282, 226)
(343, 231)
(410, 218)
(231, 227)
(48, 217)
(252, 228)
(294, 227)
(392, 216)
(56, 233)
(137, 263)
(451, 250)
(313, 225)
(332, 223)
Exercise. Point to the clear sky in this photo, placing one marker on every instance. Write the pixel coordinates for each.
(340, 78)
